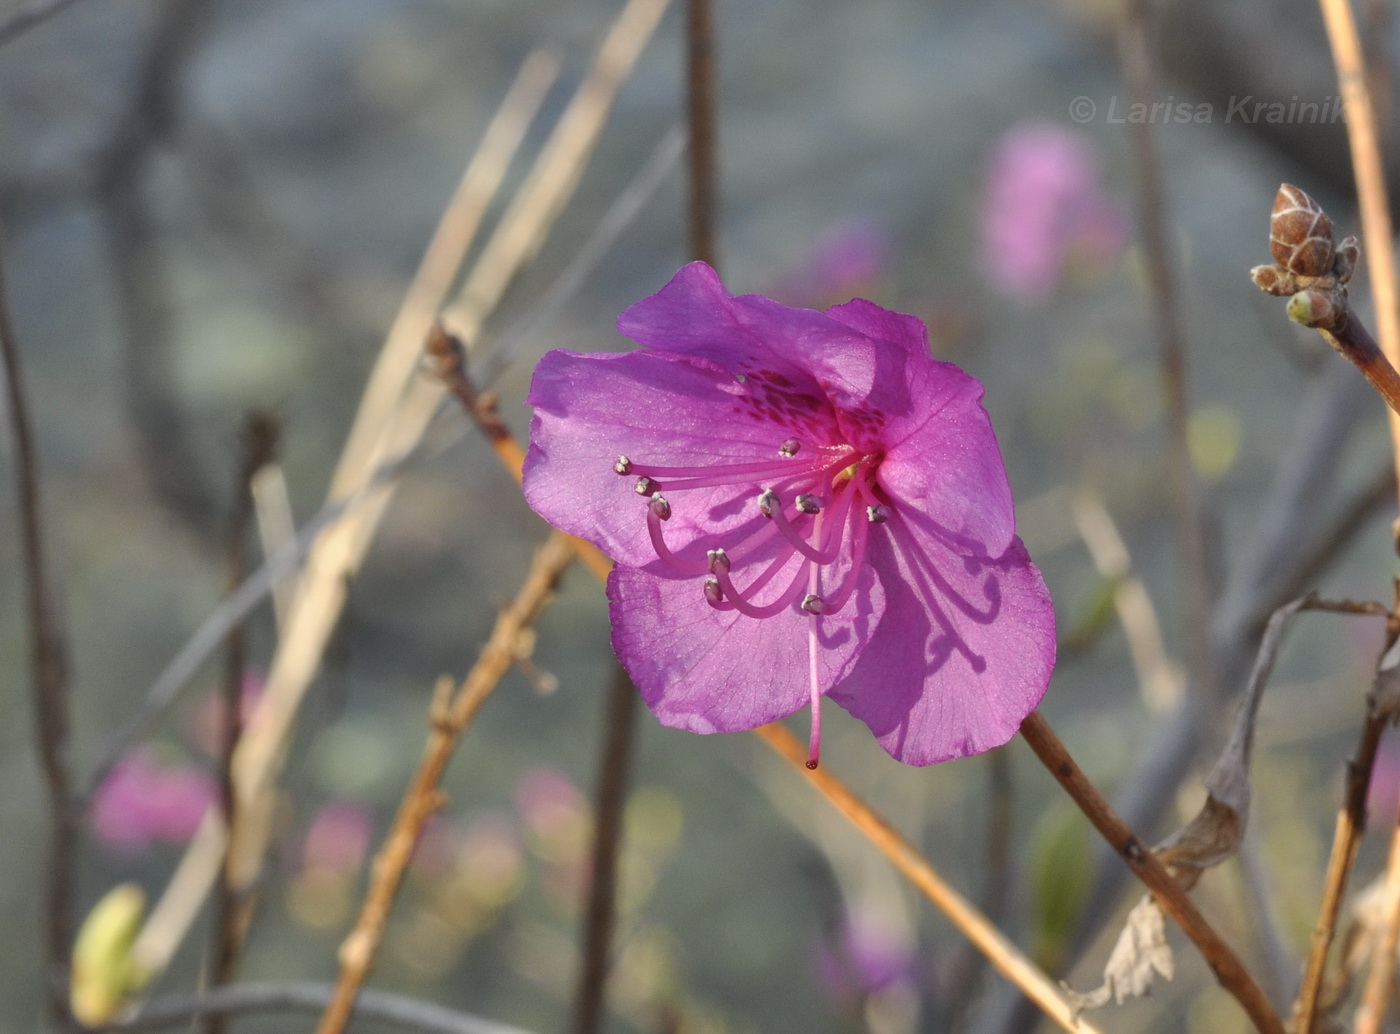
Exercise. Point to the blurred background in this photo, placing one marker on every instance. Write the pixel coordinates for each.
(213, 209)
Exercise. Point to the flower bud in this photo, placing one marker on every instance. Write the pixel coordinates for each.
(1312, 308)
(1272, 280)
(1300, 233)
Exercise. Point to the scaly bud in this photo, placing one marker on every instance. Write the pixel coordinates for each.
(1312, 308)
(1300, 234)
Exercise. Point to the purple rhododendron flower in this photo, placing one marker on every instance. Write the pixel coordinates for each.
(799, 504)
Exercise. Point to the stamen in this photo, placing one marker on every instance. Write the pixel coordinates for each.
(820, 556)
(813, 604)
(808, 503)
(733, 597)
(833, 603)
(718, 560)
(877, 514)
(713, 593)
(660, 507)
(762, 467)
(646, 486)
(789, 447)
(768, 502)
(658, 541)
(623, 465)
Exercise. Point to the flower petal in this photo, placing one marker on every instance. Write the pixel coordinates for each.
(949, 468)
(709, 670)
(963, 654)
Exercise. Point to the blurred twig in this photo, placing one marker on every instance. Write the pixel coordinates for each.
(1380, 981)
(1145, 865)
(700, 118)
(231, 900)
(49, 669)
(620, 215)
(243, 999)
(1185, 495)
(614, 766)
(451, 715)
(146, 120)
(29, 16)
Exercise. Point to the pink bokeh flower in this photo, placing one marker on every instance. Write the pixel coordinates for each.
(141, 802)
(1044, 209)
(799, 504)
(338, 839)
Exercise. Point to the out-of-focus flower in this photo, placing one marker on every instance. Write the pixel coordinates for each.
(848, 259)
(809, 505)
(1044, 210)
(865, 956)
(141, 802)
(320, 894)
(338, 839)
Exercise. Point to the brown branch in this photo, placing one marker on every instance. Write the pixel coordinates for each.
(1226, 966)
(1369, 170)
(614, 763)
(232, 908)
(49, 669)
(700, 117)
(450, 718)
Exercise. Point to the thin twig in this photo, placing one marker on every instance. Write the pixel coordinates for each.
(1185, 496)
(1145, 865)
(243, 999)
(450, 719)
(700, 117)
(49, 668)
(1368, 167)
(1000, 952)
(614, 767)
(231, 906)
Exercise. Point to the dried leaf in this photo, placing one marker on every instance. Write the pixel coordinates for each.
(1141, 952)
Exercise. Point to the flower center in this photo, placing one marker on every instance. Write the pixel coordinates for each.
(819, 503)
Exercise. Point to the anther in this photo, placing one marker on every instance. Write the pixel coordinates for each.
(813, 604)
(718, 560)
(808, 503)
(789, 447)
(768, 502)
(877, 514)
(714, 595)
(646, 486)
(623, 465)
(660, 506)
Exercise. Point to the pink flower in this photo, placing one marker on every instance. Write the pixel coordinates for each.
(140, 802)
(1044, 208)
(339, 838)
(799, 504)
